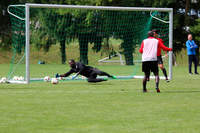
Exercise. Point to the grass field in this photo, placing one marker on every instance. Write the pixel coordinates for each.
(114, 106)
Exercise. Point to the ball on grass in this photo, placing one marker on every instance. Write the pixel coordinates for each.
(60, 78)
(54, 81)
(15, 78)
(3, 80)
(46, 78)
(21, 78)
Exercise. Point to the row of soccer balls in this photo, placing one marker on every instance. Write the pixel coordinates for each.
(3, 80)
(16, 78)
(55, 80)
(46, 79)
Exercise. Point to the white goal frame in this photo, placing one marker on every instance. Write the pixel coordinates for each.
(27, 23)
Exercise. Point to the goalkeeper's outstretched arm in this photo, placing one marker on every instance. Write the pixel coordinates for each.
(65, 74)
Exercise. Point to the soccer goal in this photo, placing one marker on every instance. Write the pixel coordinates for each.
(46, 36)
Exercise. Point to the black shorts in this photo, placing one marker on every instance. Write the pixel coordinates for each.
(94, 72)
(150, 66)
(159, 58)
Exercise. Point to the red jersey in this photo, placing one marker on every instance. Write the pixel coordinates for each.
(151, 48)
(159, 48)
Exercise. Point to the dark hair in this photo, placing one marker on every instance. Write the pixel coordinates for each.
(150, 34)
(72, 60)
(155, 30)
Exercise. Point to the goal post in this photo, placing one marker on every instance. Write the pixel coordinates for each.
(104, 30)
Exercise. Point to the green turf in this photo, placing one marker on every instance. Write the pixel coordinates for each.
(114, 106)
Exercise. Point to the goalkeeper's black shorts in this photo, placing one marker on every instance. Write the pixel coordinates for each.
(150, 66)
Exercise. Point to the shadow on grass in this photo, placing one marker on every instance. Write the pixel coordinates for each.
(181, 91)
(169, 91)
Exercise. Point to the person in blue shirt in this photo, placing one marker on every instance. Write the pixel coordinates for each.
(191, 52)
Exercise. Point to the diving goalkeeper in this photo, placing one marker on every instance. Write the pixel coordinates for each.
(87, 71)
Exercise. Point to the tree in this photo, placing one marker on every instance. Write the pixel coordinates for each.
(180, 21)
(56, 25)
(5, 29)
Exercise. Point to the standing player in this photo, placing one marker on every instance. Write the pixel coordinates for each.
(159, 56)
(149, 48)
(191, 52)
(87, 71)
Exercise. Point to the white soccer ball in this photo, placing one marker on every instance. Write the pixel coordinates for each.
(47, 79)
(21, 78)
(15, 78)
(83, 77)
(60, 78)
(54, 81)
(3, 80)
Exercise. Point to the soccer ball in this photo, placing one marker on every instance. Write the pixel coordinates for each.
(60, 78)
(46, 78)
(83, 77)
(21, 78)
(3, 80)
(15, 78)
(54, 81)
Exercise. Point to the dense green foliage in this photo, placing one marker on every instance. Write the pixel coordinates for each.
(181, 19)
(90, 27)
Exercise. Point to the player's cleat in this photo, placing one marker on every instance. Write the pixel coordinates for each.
(196, 73)
(104, 79)
(114, 77)
(167, 80)
(57, 75)
(191, 73)
(158, 90)
(144, 90)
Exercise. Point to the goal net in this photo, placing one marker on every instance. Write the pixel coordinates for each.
(45, 37)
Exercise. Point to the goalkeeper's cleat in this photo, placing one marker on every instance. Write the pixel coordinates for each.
(104, 79)
(144, 90)
(57, 75)
(113, 77)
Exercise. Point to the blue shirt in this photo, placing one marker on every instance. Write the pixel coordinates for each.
(191, 47)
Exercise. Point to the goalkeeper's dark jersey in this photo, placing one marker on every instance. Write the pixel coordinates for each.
(81, 69)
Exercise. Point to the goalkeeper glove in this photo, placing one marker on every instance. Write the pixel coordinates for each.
(74, 77)
(57, 75)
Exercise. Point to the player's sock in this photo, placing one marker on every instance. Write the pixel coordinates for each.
(157, 82)
(165, 73)
(144, 85)
(157, 87)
